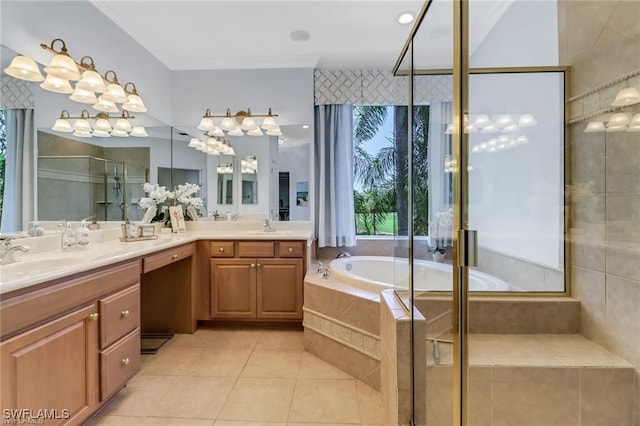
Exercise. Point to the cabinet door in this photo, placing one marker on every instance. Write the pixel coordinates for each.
(233, 288)
(279, 288)
(53, 367)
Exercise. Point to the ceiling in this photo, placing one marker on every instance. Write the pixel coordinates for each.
(202, 35)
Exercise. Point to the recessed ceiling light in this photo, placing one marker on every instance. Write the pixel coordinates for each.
(306, 126)
(299, 35)
(406, 18)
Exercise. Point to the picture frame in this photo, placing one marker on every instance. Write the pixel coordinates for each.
(177, 219)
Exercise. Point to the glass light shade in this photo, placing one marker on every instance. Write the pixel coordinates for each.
(194, 142)
(527, 120)
(119, 134)
(81, 134)
(63, 66)
(82, 125)
(256, 132)
(134, 104)
(501, 139)
(633, 129)
(522, 139)
(83, 96)
(504, 120)
(248, 123)
(123, 125)
(24, 68)
(635, 120)
(102, 125)
(274, 132)
(205, 124)
(627, 96)
(615, 129)
(236, 132)
(101, 134)
(62, 125)
(449, 130)
(511, 129)
(139, 132)
(56, 85)
(227, 124)
(469, 128)
(115, 93)
(93, 81)
(216, 131)
(231, 151)
(269, 123)
(619, 119)
(490, 128)
(105, 105)
(482, 121)
(594, 126)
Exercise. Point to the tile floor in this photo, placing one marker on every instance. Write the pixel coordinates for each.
(218, 377)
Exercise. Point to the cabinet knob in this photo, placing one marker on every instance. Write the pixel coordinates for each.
(174, 256)
(290, 249)
(259, 265)
(221, 249)
(253, 265)
(94, 316)
(125, 361)
(124, 313)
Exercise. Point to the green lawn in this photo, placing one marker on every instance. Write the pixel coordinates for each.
(387, 226)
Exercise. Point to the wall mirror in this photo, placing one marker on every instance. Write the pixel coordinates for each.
(224, 170)
(249, 179)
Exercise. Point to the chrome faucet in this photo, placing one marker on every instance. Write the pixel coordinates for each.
(324, 270)
(343, 254)
(8, 254)
(267, 227)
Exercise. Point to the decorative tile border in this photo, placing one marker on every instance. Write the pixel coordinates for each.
(352, 337)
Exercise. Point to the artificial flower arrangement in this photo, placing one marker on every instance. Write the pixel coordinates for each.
(158, 200)
(443, 223)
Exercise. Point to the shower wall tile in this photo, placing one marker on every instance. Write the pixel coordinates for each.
(587, 161)
(623, 318)
(590, 288)
(604, 396)
(623, 163)
(622, 260)
(588, 251)
(623, 217)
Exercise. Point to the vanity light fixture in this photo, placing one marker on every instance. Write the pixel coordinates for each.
(238, 123)
(619, 119)
(63, 68)
(102, 126)
(594, 127)
(627, 96)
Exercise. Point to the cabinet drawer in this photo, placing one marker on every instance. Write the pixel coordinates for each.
(119, 314)
(222, 249)
(256, 249)
(119, 363)
(159, 260)
(290, 249)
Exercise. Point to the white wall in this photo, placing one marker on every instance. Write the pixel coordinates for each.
(508, 45)
(516, 195)
(295, 160)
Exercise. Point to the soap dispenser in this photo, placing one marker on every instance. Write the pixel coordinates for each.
(83, 236)
(68, 237)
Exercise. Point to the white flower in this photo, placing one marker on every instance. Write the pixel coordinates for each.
(157, 195)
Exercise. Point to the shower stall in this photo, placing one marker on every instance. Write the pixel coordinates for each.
(77, 187)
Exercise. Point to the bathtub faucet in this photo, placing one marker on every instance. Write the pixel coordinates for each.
(343, 254)
(324, 270)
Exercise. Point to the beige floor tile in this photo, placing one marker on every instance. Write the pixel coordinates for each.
(281, 339)
(371, 409)
(219, 362)
(321, 424)
(221, 338)
(171, 361)
(195, 397)
(325, 400)
(140, 396)
(312, 367)
(116, 421)
(164, 421)
(272, 363)
(259, 400)
(243, 423)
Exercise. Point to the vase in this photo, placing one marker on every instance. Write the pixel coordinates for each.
(149, 215)
(438, 257)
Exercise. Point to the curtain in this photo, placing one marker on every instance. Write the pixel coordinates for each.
(334, 210)
(19, 180)
(439, 151)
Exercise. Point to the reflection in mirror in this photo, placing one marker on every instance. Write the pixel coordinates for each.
(249, 172)
(225, 180)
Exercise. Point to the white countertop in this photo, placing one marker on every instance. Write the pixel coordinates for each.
(45, 263)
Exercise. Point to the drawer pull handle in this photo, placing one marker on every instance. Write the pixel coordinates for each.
(124, 313)
(94, 316)
(221, 249)
(290, 249)
(174, 256)
(125, 361)
(253, 265)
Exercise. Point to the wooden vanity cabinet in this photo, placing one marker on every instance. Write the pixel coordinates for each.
(263, 281)
(70, 344)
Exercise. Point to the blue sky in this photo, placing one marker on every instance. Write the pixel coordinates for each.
(380, 140)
